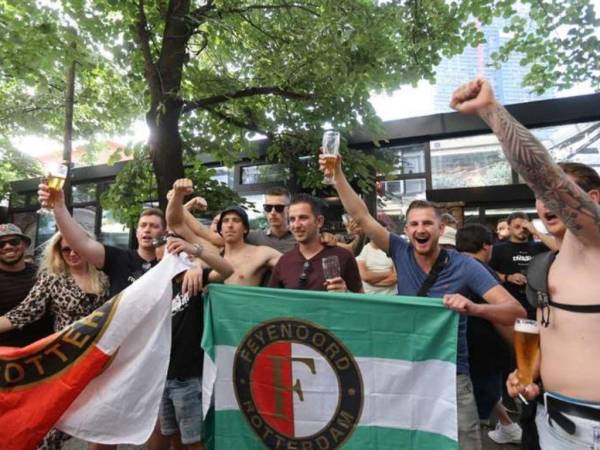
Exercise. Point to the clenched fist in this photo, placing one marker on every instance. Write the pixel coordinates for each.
(473, 97)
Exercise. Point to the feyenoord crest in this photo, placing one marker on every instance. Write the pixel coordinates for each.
(297, 385)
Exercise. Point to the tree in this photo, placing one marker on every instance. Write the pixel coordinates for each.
(211, 74)
(14, 165)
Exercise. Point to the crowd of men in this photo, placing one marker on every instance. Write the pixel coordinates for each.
(482, 277)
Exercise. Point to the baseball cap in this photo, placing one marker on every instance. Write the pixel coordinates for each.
(240, 212)
(10, 229)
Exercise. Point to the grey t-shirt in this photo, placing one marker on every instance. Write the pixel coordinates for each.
(260, 237)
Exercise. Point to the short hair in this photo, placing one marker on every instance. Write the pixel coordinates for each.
(278, 191)
(154, 212)
(504, 219)
(423, 204)
(585, 177)
(316, 205)
(517, 215)
(472, 237)
(449, 219)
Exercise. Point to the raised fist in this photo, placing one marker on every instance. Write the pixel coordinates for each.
(473, 97)
(183, 187)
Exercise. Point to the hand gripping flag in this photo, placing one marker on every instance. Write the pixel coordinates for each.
(305, 370)
(101, 378)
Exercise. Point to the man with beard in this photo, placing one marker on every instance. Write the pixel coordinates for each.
(569, 332)
(425, 269)
(511, 257)
(16, 279)
(302, 267)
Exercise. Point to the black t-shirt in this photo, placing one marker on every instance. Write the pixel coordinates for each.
(488, 353)
(511, 257)
(123, 267)
(14, 287)
(187, 315)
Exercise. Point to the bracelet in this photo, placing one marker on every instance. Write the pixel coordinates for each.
(197, 250)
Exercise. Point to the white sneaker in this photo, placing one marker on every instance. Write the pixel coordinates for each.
(506, 434)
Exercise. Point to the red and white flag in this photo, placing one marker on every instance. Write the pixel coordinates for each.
(101, 378)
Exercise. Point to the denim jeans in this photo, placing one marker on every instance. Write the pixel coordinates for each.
(181, 409)
(553, 437)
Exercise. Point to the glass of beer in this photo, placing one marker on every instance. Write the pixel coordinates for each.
(56, 174)
(331, 148)
(331, 267)
(527, 348)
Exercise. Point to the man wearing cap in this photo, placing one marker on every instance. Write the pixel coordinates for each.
(250, 262)
(16, 279)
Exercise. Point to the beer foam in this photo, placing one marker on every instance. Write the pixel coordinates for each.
(527, 327)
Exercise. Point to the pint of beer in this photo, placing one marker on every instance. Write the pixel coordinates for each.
(527, 348)
(330, 148)
(55, 184)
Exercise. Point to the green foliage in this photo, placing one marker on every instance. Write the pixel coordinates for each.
(135, 186)
(14, 165)
(278, 68)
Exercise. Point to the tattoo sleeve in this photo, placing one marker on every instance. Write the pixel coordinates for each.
(534, 163)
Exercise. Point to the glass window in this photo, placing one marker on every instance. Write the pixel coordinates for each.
(578, 142)
(112, 232)
(410, 158)
(263, 173)
(395, 196)
(18, 200)
(27, 222)
(223, 175)
(86, 217)
(46, 229)
(468, 162)
(83, 193)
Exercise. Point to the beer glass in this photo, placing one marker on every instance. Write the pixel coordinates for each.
(527, 348)
(56, 174)
(331, 147)
(331, 267)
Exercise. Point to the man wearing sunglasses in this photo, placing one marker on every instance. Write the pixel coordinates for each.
(278, 235)
(16, 279)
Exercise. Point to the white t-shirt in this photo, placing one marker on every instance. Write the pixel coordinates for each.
(376, 261)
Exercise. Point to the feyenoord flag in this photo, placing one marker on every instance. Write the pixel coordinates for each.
(99, 379)
(303, 370)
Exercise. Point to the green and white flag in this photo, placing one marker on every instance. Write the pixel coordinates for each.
(303, 370)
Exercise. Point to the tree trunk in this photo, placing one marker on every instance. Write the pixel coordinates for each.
(166, 147)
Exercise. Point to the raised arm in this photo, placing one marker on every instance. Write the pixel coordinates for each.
(357, 208)
(182, 221)
(579, 212)
(89, 249)
(208, 254)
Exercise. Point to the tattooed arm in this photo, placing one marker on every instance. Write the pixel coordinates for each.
(576, 208)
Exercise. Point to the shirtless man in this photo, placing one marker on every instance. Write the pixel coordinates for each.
(249, 261)
(570, 344)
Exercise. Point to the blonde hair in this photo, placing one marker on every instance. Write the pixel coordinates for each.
(52, 262)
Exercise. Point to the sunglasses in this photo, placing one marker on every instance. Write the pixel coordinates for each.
(305, 271)
(278, 208)
(66, 250)
(13, 242)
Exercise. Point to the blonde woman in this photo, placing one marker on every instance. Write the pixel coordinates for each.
(70, 289)
(67, 286)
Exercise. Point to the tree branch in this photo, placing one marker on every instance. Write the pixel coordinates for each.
(150, 68)
(267, 7)
(249, 92)
(250, 126)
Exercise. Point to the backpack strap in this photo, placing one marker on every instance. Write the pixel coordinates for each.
(433, 274)
(537, 282)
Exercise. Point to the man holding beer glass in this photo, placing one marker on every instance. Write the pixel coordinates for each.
(425, 269)
(569, 333)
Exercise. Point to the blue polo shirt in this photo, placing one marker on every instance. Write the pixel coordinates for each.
(461, 275)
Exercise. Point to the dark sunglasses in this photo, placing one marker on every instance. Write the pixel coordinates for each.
(14, 242)
(305, 271)
(278, 208)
